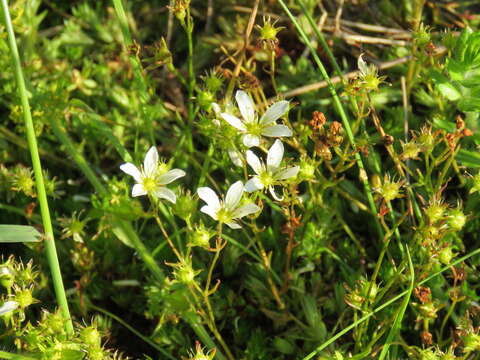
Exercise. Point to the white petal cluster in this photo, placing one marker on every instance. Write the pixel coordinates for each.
(229, 210)
(271, 173)
(152, 177)
(251, 126)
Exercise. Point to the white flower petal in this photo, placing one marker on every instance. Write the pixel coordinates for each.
(234, 195)
(362, 65)
(246, 106)
(8, 306)
(274, 112)
(274, 195)
(209, 196)
(254, 162)
(216, 108)
(170, 176)
(138, 190)
(253, 184)
(275, 155)
(245, 210)
(236, 157)
(151, 161)
(250, 140)
(233, 225)
(287, 173)
(277, 131)
(131, 170)
(234, 121)
(209, 211)
(167, 194)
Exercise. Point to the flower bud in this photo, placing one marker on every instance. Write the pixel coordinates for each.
(91, 337)
(390, 190)
(24, 298)
(205, 99)
(435, 211)
(457, 219)
(307, 169)
(410, 150)
(446, 255)
(200, 237)
(7, 277)
(201, 355)
(185, 205)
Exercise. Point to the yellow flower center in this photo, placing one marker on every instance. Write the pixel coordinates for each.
(254, 128)
(266, 178)
(149, 184)
(224, 216)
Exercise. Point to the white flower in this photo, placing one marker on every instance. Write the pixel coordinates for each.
(152, 177)
(270, 174)
(8, 306)
(251, 126)
(229, 210)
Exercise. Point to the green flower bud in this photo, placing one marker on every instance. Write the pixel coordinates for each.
(457, 219)
(200, 237)
(185, 206)
(268, 32)
(410, 150)
(307, 169)
(435, 211)
(422, 37)
(390, 190)
(205, 99)
(213, 82)
(24, 298)
(91, 337)
(7, 277)
(446, 255)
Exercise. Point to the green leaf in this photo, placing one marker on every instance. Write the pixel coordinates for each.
(443, 85)
(469, 158)
(18, 233)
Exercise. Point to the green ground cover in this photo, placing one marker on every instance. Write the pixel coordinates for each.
(222, 179)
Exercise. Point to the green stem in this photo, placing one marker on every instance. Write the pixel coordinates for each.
(79, 159)
(10, 356)
(346, 124)
(387, 303)
(138, 74)
(50, 248)
(191, 75)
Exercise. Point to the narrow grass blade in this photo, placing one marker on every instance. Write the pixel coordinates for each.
(18, 233)
(11, 356)
(398, 319)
